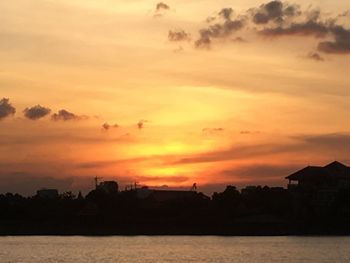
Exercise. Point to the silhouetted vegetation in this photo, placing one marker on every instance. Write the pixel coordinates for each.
(251, 211)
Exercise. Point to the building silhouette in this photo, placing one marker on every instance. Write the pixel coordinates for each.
(333, 176)
(109, 187)
(316, 187)
(47, 193)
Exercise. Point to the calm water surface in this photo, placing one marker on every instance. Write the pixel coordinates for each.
(174, 249)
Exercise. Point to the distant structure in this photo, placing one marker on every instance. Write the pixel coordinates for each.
(132, 186)
(96, 181)
(319, 186)
(47, 193)
(160, 196)
(109, 187)
(332, 176)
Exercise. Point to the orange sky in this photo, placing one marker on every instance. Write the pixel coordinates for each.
(244, 97)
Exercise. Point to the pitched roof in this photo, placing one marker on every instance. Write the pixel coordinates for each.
(334, 169)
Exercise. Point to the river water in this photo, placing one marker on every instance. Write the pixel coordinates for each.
(174, 249)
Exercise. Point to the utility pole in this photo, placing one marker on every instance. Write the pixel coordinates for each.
(96, 181)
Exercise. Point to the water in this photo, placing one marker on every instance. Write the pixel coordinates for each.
(174, 249)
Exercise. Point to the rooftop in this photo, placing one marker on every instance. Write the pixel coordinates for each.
(334, 169)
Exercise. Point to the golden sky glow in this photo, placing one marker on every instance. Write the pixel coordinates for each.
(247, 108)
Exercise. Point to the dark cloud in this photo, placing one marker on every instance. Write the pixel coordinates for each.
(36, 112)
(176, 36)
(219, 30)
(64, 115)
(6, 109)
(107, 126)
(226, 13)
(341, 43)
(275, 11)
(160, 10)
(309, 28)
(277, 19)
(318, 29)
(315, 56)
(315, 25)
(162, 6)
(141, 124)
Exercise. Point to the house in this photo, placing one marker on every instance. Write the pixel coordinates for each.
(332, 176)
(317, 187)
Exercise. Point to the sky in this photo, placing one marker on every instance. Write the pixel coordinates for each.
(167, 94)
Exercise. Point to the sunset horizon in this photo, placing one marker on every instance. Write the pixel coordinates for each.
(167, 94)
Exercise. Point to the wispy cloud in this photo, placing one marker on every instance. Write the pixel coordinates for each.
(315, 56)
(178, 35)
(64, 115)
(106, 126)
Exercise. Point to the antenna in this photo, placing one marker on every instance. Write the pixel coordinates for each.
(194, 187)
(96, 181)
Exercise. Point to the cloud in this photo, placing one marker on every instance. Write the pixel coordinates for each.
(244, 132)
(64, 115)
(177, 36)
(222, 29)
(309, 28)
(36, 112)
(315, 56)
(341, 44)
(306, 144)
(162, 179)
(316, 25)
(336, 140)
(107, 126)
(239, 40)
(162, 6)
(275, 11)
(341, 35)
(226, 13)
(6, 109)
(59, 138)
(277, 19)
(141, 124)
(212, 131)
